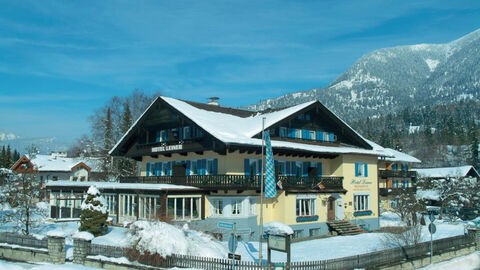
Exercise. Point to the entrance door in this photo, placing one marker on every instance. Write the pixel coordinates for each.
(331, 208)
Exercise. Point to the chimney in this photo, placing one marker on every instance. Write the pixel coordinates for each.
(213, 101)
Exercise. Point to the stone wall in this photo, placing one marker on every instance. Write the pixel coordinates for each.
(56, 249)
(81, 248)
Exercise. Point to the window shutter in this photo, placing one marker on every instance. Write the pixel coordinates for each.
(188, 167)
(169, 168)
(305, 168)
(282, 132)
(366, 169)
(259, 167)
(204, 167)
(319, 169)
(319, 135)
(305, 134)
(356, 169)
(332, 137)
(246, 166)
(215, 166)
(157, 136)
(148, 169)
(288, 168)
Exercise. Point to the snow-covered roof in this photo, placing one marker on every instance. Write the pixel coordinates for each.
(57, 163)
(234, 129)
(398, 156)
(119, 186)
(460, 171)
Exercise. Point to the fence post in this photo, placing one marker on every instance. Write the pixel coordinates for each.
(475, 234)
(81, 246)
(56, 248)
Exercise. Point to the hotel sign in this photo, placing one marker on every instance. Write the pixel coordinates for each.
(165, 148)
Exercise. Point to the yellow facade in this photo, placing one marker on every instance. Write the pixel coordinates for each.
(283, 208)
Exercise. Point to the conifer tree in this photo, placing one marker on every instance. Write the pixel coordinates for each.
(107, 143)
(474, 147)
(8, 157)
(3, 157)
(93, 218)
(126, 165)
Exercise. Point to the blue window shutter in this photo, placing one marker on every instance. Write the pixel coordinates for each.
(188, 167)
(180, 133)
(275, 164)
(204, 167)
(307, 116)
(159, 169)
(215, 166)
(331, 137)
(259, 167)
(319, 169)
(169, 167)
(305, 168)
(157, 136)
(366, 169)
(148, 169)
(305, 134)
(356, 169)
(288, 168)
(246, 166)
(406, 167)
(319, 135)
(281, 132)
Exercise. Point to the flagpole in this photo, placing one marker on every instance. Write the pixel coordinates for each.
(260, 259)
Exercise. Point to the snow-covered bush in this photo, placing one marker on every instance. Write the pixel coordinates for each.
(93, 218)
(156, 237)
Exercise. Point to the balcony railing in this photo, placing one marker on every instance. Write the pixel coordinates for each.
(401, 174)
(242, 182)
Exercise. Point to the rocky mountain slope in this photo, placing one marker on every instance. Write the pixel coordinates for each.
(390, 79)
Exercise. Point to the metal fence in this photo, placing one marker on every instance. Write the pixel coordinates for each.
(368, 260)
(23, 240)
(108, 251)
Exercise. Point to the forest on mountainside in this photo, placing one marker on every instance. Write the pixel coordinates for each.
(440, 135)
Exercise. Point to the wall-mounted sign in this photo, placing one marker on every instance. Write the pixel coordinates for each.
(165, 148)
(361, 182)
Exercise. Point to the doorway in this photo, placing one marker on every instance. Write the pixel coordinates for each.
(331, 208)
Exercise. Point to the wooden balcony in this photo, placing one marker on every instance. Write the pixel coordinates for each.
(242, 182)
(399, 174)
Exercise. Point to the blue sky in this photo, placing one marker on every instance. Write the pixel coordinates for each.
(60, 60)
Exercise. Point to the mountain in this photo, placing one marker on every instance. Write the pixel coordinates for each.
(45, 144)
(390, 79)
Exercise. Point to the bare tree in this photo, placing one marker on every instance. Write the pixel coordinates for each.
(23, 191)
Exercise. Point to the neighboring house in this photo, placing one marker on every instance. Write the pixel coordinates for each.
(444, 172)
(57, 166)
(202, 163)
(395, 177)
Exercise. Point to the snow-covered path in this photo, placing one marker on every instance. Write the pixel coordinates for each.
(468, 262)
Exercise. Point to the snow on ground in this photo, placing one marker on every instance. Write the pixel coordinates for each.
(7, 265)
(390, 219)
(115, 236)
(468, 262)
(165, 239)
(340, 246)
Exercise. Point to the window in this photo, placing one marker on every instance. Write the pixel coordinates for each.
(307, 116)
(193, 167)
(315, 232)
(128, 205)
(283, 132)
(186, 133)
(111, 200)
(281, 168)
(253, 207)
(297, 234)
(181, 208)
(252, 166)
(210, 167)
(306, 207)
(218, 207)
(395, 183)
(361, 169)
(163, 135)
(362, 202)
(149, 206)
(236, 205)
(301, 116)
(312, 135)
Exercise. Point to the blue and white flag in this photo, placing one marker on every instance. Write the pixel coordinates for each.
(270, 186)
